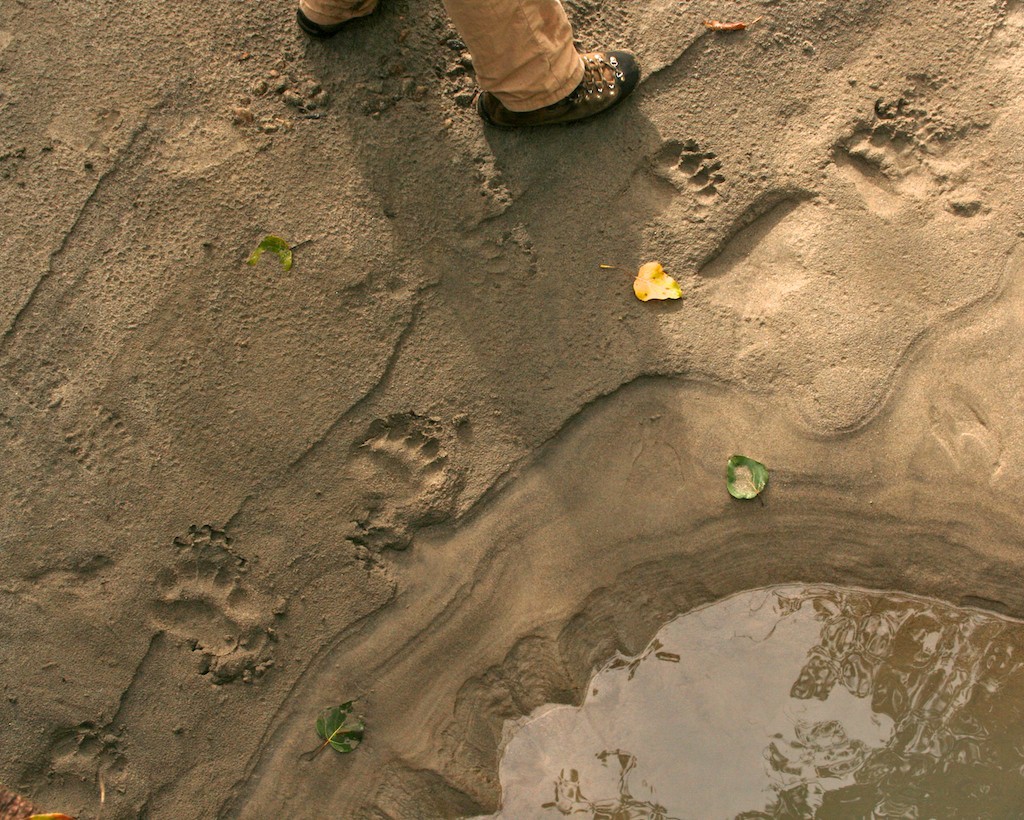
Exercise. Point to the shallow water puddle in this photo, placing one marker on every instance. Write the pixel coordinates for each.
(790, 702)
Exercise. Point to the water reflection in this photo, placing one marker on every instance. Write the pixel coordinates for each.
(952, 682)
(569, 797)
(790, 702)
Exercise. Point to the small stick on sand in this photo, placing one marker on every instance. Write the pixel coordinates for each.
(718, 25)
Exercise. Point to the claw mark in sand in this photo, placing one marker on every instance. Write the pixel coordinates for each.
(961, 429)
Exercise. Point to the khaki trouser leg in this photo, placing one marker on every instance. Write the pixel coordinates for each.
(522, 49)
(328, 12)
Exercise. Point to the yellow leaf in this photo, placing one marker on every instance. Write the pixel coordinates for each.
(653, 283)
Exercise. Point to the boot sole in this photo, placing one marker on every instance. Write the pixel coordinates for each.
(315, 29)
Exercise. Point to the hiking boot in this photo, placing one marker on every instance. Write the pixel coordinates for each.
(321, 32)
(608, 78)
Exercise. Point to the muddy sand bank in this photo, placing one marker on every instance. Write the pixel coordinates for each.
(446, 464)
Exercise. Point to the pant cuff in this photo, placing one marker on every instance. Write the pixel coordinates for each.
(332, 12)
(531, 102)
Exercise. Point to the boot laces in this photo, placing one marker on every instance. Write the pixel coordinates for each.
(601, 74)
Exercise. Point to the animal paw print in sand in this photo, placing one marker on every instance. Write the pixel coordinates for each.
(912, 118)
(890, 164)
(80, 756)
(99, 441)
(689, 168)
(894, 150)
(273, 103)
(892, 158)
(203, 600)
(499, 251)
(403, 462)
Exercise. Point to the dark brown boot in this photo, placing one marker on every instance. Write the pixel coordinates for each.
(321, 32)
(608, 78)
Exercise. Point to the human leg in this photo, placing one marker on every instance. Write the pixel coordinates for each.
(528, 68)
(522, 49)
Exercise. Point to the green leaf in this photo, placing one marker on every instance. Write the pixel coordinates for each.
(339, 727)
(745, 477)
(274, 244)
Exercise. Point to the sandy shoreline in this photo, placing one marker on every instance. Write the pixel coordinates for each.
(446, 464)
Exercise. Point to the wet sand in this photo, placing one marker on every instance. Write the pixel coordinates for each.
(446, 464)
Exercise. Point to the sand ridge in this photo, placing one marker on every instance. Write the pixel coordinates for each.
(446, 463)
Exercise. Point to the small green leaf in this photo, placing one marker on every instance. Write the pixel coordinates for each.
(274, 244)
(340, 728)
(745, 477)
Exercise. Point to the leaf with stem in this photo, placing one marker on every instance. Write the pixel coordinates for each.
(340, 728)
(651, 282)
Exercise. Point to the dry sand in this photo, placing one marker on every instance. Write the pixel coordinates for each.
(446, 464)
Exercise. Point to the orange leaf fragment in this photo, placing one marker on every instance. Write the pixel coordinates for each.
(718, 25)
(50, 817)
(653, 283)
